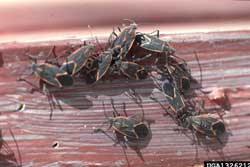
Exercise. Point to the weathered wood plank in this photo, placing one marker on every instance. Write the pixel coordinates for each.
(225, 62)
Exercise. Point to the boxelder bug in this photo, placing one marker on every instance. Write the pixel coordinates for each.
(173, 95)
(180, 73)
(49, 73)
(205, 125)
(123, 42)
(104, 62)
(171, 92)
(130, 130)
(131, 127)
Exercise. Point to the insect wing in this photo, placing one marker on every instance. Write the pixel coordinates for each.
(137, 118)
(203, 124)
(133, 70)
(141, 130)
(125, 126)
(76, 61)
(125, 40)
(151, 43)
(103, 64)
(174, 97)
(182, 77)
(69, 67)
(65, 79)
(218, 128)
(47, 73)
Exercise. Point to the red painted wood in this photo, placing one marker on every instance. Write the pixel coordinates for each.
(225, 62)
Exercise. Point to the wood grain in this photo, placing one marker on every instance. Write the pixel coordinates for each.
(29, 135)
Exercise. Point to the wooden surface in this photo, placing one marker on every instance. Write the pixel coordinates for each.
(28, 136)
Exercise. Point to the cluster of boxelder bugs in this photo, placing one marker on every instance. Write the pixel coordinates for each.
(93, 65)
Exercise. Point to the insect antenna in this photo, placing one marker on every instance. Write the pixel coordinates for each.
(53, 51)
(199, 65)
(130, 20)
(183, 60)
(113, 32)
(111, 39)
(95, 38)
(124, 109)
(157, 33)
(50, 53)
(104, 110)
(115, 112)
(31, 57)
(119, 29)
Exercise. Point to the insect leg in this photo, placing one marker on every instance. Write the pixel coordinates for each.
(115, 112)
(124, 109)
(125, 154)
(52, 51)
(35, 88)
(31, 57)
(105, 133)
(135, 97)
(199, 65)
(119, 29)
(165, 109)
(103, 105)
(219, 140)
(142, 58)
(95, 38)
(157, 33)
(198, 137)
(58, 103)
(130, 20)
(138, 152)
(50, 100)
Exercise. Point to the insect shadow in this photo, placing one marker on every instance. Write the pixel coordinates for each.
(72, 96)
(7, 155)
(215, 146)
(80, 95)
